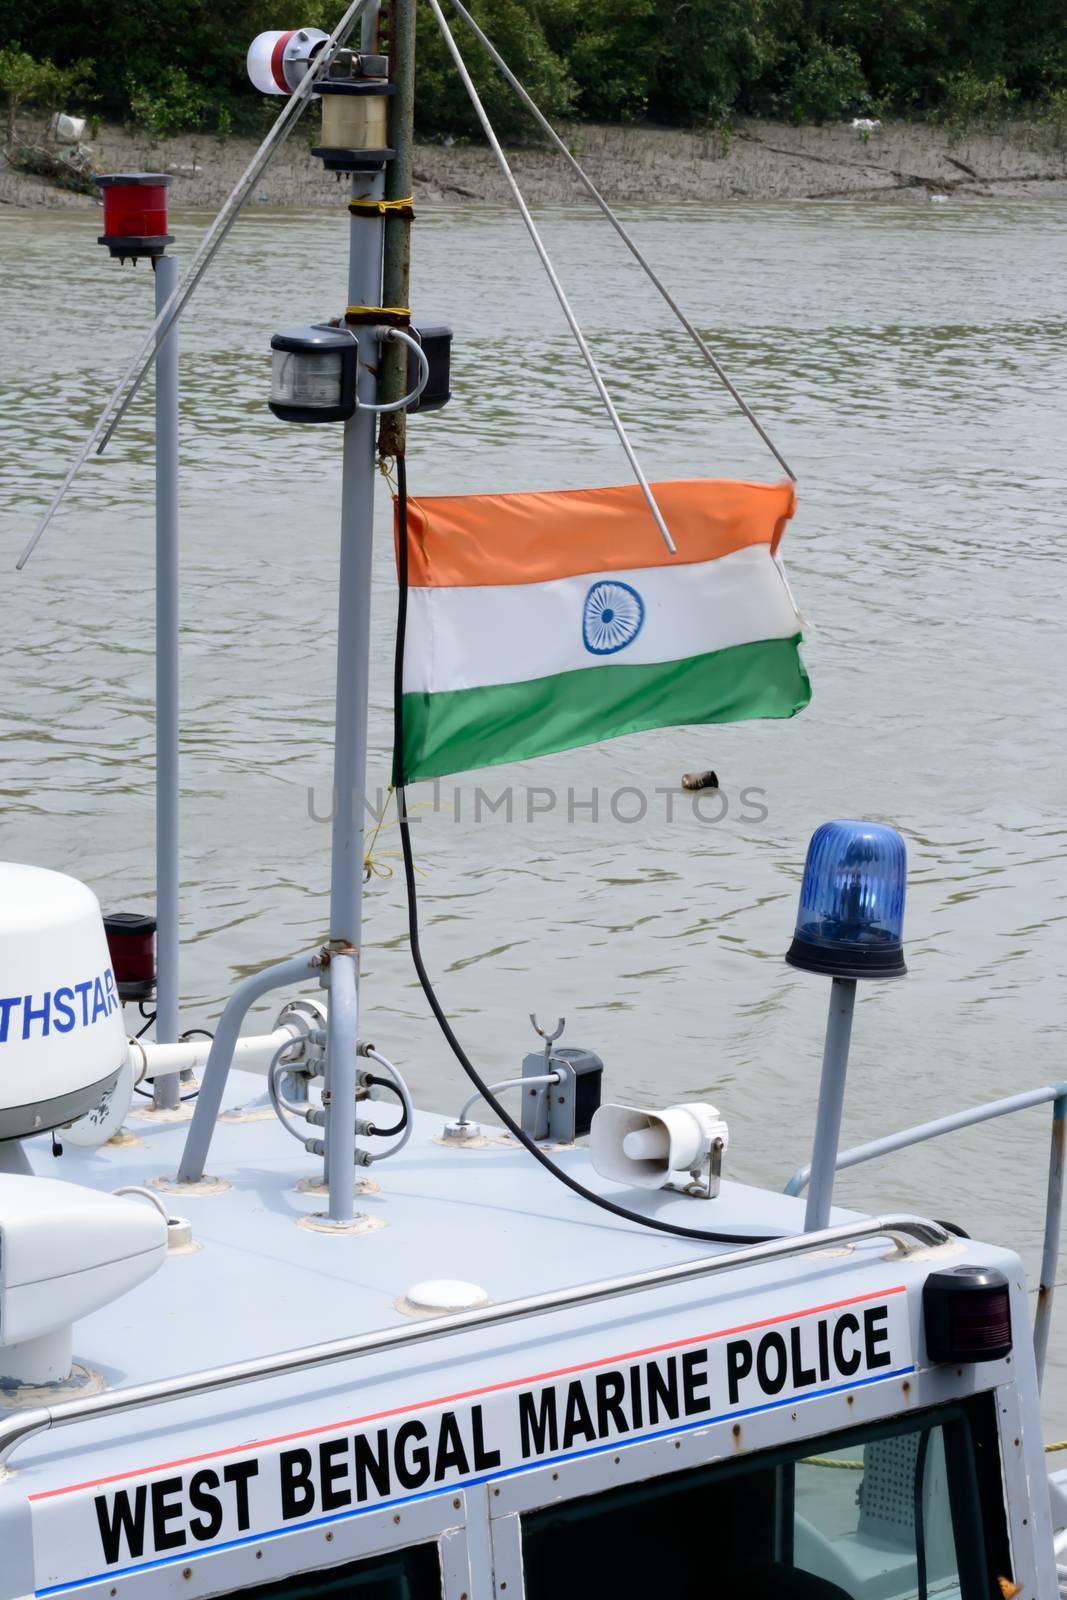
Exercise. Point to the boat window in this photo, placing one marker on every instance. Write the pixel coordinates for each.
(413, 1574)
(911, 1510)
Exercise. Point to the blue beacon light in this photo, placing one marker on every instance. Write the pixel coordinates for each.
(850, 922)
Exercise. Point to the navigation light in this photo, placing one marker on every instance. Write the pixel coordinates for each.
(313, 374)
(277, 61)
(135, 213)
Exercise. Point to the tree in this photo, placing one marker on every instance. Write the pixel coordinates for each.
(24, 80)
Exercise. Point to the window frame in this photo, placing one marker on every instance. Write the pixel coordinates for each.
(985, 1489)
(441, 1519)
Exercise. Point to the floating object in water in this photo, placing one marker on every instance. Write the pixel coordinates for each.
(700, 780)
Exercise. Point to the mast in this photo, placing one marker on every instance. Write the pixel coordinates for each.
(354, 134)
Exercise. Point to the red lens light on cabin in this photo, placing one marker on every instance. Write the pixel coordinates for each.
(135, 213)
(967, 1315)
(131, 945)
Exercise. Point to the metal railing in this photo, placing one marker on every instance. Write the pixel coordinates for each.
(904, 1229)
(1050, 1093)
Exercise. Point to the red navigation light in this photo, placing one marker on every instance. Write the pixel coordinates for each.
(131, 945)
(967, 1315)
(135, 213)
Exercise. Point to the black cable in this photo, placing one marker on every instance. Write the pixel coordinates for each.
(387, 1083)
(454, 1045)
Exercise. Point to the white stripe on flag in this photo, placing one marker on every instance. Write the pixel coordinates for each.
(467, 637)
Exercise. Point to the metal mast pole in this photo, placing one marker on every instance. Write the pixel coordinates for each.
(166, 1090)
(350, 727)
(831, 1103)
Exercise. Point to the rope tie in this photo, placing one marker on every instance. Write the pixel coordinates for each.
(394, 316)
(384, 208)
(372, 864)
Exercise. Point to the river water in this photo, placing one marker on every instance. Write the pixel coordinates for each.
(911, 360)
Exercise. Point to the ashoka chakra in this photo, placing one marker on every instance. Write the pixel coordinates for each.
(611, 617)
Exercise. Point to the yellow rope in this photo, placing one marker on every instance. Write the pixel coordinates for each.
(376, 865)
(845, 1461)
(370, 864)
(377, 311)
(381, 208)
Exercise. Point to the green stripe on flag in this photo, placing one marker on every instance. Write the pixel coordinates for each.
(459, 729)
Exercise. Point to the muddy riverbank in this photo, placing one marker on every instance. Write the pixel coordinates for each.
(757, 160)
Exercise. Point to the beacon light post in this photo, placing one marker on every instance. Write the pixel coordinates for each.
(849, 926)
(135, 226)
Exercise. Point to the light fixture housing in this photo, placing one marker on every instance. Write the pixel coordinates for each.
(131, 943)
(135, 213)
(850, 923)
(278, 61)
(313, 374)
(967, 1315)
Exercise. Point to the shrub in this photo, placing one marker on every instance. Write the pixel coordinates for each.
(972, 101)
(1054, 117)
(173, 104)
(442, 106)
(828, 83)
(23, 81)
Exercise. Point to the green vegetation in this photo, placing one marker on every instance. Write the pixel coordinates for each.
(24, 81)
(177, 65)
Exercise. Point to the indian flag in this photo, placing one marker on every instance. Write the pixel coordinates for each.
(541, 621)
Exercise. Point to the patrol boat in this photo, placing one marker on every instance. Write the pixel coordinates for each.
(557, 1355)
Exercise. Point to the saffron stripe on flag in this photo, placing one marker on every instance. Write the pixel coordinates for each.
(478, 539)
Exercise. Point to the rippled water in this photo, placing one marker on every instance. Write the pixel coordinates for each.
(912, 362)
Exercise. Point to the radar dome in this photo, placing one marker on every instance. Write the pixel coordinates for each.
(62, 1036)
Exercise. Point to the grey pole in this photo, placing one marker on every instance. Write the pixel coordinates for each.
(831, 1102)
(166, 1090)
(213, 1082)
(350, 727)
(341, 1037)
